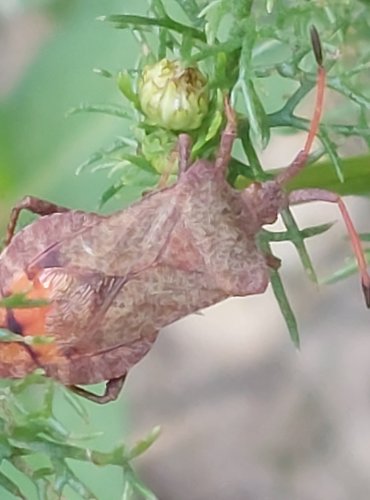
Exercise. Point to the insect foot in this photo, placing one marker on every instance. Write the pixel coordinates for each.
(110, 283)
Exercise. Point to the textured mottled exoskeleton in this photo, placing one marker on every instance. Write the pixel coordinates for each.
(112, 282)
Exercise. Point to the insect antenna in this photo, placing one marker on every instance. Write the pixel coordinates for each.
(300, 161)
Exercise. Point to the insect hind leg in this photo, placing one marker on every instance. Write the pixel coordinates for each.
(306, 195)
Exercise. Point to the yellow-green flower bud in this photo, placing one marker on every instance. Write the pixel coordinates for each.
(172, 96)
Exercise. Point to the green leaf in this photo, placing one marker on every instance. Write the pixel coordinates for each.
(298, 241)
(355, 170)
(269, 6)
(190, 7)
(143, 490)
(20, 301)
(140, 162)
(340, 86)
(134, 485)
(5, 448)
(281, 297)
(254, 108)
(103, 72)
(122, 21)
(331, 149)
(350, 268)
(210, 127)
(42, 472)
(241, 10)
(141, 446)
(11, 487)
(127, 489)
(214, 126)
(103, 154)
(211, 51)
(111, 192)
(285, 308)
(108, 109)
(64, 476)
(260, 132)
(308, 232)
(258, 174)
(125, 85)
(213, 14)
(139, 175)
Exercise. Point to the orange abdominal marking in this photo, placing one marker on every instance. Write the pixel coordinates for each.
(31, 321)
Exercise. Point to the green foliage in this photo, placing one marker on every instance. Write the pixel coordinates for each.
(30, 431)
(20, 301)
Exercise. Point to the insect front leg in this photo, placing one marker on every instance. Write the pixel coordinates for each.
(228, 137)
(34, 205)
(112, 389)
(184, 151)
(305, 195)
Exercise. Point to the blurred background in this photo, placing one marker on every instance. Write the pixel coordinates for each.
(243, 414)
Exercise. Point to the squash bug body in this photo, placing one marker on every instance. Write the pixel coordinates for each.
(112, 282)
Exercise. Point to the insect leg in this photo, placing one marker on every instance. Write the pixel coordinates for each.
(272, 261)
(112, 390)
(305, 195)
(184, 151)
(34, 205)
(227, 138)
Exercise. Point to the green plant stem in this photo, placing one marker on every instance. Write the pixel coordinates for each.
(62, 451)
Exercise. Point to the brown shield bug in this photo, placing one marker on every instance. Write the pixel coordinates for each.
(112, 282)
